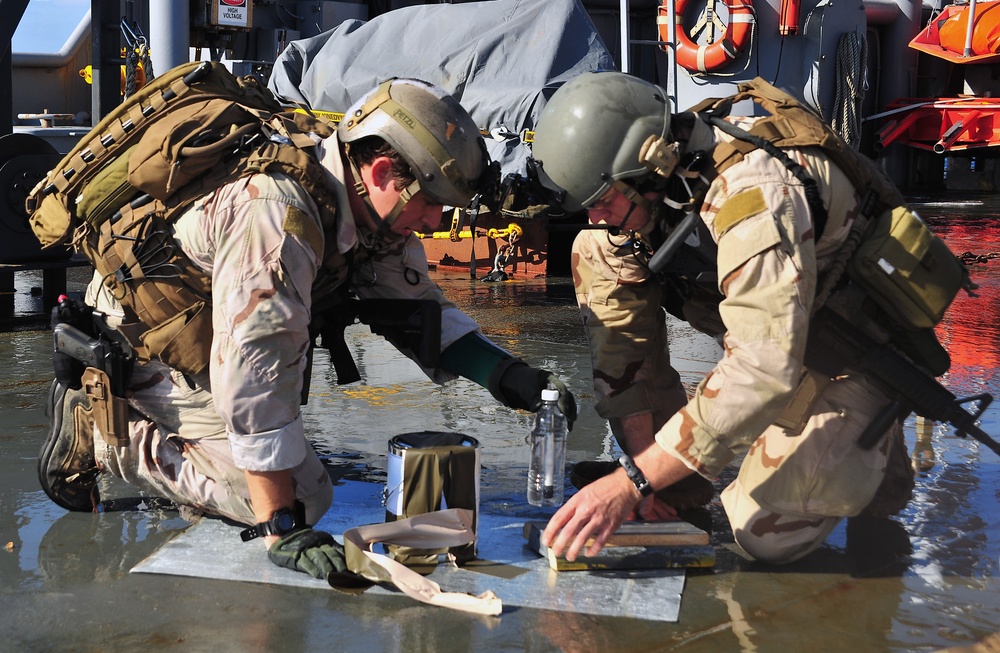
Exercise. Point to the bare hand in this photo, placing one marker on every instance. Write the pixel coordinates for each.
(653, 509)
(595, 512)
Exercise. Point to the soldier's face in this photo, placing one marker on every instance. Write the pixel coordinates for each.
(613, 208)
(419, 214)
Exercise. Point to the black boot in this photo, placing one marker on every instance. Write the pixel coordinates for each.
(896, 489)
(66, 466)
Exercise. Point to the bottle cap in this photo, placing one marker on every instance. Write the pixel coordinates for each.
(550, 395)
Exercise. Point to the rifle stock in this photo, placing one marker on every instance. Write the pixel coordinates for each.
(834, 343)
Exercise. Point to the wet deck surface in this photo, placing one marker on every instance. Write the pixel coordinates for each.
(925, 580)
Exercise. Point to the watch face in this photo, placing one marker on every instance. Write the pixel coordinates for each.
(284, 522)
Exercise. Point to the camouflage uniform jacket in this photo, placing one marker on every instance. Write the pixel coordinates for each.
(767, 269)
(260, 241)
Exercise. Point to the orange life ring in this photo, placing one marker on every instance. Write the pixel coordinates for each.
(710, 57)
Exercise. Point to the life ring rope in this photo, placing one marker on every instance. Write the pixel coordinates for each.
(709, 57)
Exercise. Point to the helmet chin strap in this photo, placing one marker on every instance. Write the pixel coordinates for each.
(628, 214)
(631, 193)
(384, 224)
(694, 183)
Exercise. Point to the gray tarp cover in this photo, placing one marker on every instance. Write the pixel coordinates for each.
(502, 60)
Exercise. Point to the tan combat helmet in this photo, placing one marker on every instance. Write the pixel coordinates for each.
(430, 130)
(594, 133)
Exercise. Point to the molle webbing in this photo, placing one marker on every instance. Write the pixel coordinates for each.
(165, 298)
(793, 125)
(52, 203)
(177, 310)
(908, 272)
(191, 131)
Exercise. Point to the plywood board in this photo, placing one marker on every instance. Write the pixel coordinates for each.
(629, 557)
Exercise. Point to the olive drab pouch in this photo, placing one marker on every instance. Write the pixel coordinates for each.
(909, 272)
(106, 193)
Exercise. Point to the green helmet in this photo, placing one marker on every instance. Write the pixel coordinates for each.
(591, 132)
(430, 130)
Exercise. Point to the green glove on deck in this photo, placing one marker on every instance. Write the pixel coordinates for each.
(518, 385)
(313, 552)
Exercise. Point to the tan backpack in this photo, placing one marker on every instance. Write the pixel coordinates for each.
(187, 133)
(905, 268)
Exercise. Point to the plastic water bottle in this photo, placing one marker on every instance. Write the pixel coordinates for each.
(548, 453)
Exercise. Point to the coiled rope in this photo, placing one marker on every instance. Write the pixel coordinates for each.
(852, 82)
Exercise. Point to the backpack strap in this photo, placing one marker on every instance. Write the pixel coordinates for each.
(816, 207)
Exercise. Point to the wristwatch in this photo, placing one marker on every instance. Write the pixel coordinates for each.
(635, 475)
(283, 521)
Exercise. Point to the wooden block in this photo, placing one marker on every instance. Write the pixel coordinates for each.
(641, 533)
(625, 557)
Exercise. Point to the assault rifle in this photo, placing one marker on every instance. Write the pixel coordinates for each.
(834, 343)
(412, 324)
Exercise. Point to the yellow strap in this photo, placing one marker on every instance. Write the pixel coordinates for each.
(332, 116)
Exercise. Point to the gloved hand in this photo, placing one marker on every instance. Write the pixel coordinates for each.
(313, 552)
(516, 384)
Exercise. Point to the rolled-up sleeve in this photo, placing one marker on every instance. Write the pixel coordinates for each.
(267, 243)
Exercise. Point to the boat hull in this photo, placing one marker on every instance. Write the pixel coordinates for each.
(514, 248)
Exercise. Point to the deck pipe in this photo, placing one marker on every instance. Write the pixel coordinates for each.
(169, 35)
(956, 131)
(970, 29)
(63, 56)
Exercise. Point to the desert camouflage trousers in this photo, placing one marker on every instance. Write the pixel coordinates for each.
(178, 447)
(178, 450)
(188, 431)
(793, 489)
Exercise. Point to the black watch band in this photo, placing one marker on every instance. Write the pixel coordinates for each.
(635, 475)
(282, 522)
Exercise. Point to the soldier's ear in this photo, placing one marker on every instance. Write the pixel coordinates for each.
(381, 172)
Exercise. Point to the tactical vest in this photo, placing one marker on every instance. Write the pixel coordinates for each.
(904, 269)
(189, 132)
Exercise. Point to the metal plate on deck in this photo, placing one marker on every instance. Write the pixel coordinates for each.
(212, 549)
